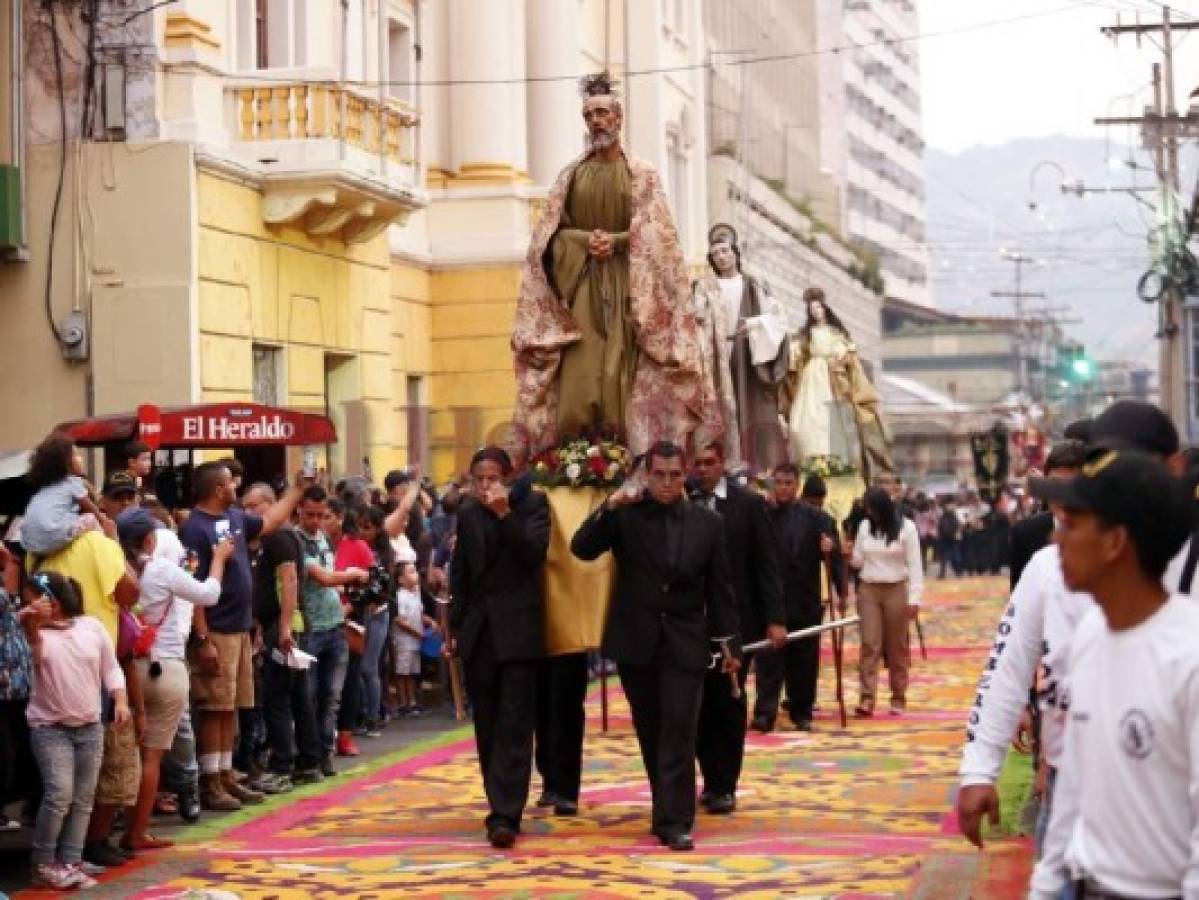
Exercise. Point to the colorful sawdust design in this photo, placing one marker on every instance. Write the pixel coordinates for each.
(850, 814)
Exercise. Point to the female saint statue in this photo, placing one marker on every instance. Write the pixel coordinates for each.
(834, 409)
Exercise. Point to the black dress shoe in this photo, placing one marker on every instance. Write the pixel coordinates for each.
(189, 805)
(676, 840)
(327, 765)
(547, 798)
(722, 804)
(762, 724)
(803, 724)
(564, 807)
(501, 836)
(102, 853)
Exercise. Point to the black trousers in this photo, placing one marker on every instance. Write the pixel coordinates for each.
(665, 703)
(289, 710)
(561, 690)
(503, 697)
(797, 665)
(720, 746)
(351, 695)
(20, 778)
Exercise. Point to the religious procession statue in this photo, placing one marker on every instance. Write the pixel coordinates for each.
(833, 407)
(746, 355)
(605, 335)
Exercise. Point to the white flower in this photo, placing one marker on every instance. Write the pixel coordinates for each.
(593, 451)
(573, 471)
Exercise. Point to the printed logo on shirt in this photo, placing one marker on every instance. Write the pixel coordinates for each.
(1136, 734)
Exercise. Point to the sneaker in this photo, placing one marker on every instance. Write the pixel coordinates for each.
(56, 876)
(373, 730)
(80, 879)
(306, 776)
(346, 745)
(89, 869)
(274, 784)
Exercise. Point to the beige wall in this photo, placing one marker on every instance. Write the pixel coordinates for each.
(137, 227)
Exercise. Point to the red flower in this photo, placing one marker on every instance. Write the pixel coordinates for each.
(598, 465)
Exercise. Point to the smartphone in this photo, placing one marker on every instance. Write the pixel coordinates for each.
(310, 463)
(221, 528)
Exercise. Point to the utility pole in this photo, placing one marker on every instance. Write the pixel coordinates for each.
(1018, 296)
(1161, 129)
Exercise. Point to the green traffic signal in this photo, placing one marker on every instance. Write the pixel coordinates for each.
(1081, 367)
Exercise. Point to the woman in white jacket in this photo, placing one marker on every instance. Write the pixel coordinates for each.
(886, 553)
(168, 593)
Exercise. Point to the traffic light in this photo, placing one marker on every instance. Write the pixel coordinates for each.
(1081, 367)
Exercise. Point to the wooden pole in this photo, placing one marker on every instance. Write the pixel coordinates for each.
(443, 617)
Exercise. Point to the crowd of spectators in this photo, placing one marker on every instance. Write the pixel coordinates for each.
(169, 661)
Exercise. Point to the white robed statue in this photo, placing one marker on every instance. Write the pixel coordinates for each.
(834, 409)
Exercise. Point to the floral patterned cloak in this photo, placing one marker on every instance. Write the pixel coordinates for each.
(670, 395)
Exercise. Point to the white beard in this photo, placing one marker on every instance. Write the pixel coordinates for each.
(603, 140)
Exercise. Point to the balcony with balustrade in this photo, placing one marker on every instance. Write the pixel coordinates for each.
(335, 160)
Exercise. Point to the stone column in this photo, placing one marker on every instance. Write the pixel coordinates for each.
(487, 122)
(555, 128)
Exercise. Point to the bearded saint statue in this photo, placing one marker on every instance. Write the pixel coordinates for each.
(746, 354)
(605, 336)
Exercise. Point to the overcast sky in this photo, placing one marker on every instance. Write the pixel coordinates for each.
(1003, 69)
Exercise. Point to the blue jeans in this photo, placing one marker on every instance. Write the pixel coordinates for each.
(329, 675)
(69, 760)
(372, 652)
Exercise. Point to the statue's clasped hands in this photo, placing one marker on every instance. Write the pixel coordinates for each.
(600, 245)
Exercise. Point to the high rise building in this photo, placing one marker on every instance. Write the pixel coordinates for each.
(871, 138)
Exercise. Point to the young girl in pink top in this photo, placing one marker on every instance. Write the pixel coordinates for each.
(73, 658)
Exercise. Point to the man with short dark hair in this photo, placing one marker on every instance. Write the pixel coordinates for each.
(753, 556)
(672, 608)
(806, 536)
(1033, 533)
(222, 675)
(497, 613)
(320, 603)
(1125, 816)
(287, 704)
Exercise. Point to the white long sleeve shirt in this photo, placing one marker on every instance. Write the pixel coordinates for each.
(1036, 628)
(167, 594)
(880, 562)
(1126, 803)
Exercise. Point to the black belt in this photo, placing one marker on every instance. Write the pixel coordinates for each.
(1085, 889)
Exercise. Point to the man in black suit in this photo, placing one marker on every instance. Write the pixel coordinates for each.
(757, 585)
(806, 534)
(1032, 534)
(496, 615)
(673, 598)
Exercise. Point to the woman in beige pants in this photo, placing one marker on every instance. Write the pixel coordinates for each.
(886, 553)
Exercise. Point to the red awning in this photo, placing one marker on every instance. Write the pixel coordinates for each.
(208, 425)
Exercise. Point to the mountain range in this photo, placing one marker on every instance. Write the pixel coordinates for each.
(1087, 250)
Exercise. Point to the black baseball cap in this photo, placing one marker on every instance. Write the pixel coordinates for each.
(1128, 488)
(120, 482)
(1135, 425)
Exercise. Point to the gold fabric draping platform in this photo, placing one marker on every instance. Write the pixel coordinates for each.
(576, 592)
(842, 491)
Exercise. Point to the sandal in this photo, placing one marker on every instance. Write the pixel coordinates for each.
(166, 805)
(146, 842)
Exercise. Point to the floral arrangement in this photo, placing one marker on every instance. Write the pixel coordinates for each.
(587, 461)
(827, 467)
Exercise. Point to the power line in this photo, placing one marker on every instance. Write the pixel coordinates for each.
(665, 70)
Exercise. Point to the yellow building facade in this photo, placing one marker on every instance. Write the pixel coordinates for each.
(294, 209)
